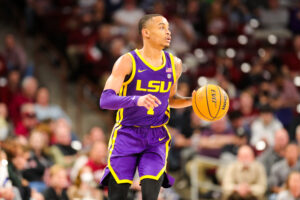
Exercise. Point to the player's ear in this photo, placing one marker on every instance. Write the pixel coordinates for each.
(145, 32)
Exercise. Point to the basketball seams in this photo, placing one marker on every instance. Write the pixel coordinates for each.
(227, 106)
(207, 102)
(196, 106)
(220, 94)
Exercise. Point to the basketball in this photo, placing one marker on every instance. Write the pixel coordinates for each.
(210, 102)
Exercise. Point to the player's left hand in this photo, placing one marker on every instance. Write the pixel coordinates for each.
(149, 101)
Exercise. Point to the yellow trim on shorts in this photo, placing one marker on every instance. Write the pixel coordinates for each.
(164, 168)
(148, 64)
(110, 153)
(133, 70)
(173, 67)
(110, 138)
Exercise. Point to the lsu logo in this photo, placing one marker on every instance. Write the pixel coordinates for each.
(154, 86)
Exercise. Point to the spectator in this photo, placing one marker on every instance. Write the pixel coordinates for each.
(264, 128)
(7, 191)
(3, 68)
(209, 144)
(246, 178)
(57, 184)
(96, 160)
(183, 35)
(289, 96)
(27, 95)
(129, 15)
(96, 54)
(37, 162)
(17, 156)
(216, 19)
(62, 152)
(276, 153)
(28, 120)
(249, 113)
(292, 59)
(84, 186)
(14, 54)
(195, 16)
(4, 126)
(281, 169)
(95, 134)
(211, 141)
(181, 131)
(238, 14)
(117, 48)
(274, 20)
(44, 110)
(100, 12)
(11, 88)
(294, 18)
(292, 191)
(229, 152)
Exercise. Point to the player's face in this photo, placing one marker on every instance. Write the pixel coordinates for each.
(159, 32)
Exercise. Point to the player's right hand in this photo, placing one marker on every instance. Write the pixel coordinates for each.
(148, 101)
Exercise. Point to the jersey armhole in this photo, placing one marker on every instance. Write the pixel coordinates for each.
(130, 77)
(173, 67)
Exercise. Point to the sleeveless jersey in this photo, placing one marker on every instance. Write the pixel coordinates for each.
(146, 79)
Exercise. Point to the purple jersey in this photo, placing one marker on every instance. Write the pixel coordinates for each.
(146, 79)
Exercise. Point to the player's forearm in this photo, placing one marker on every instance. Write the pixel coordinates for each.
(111, 101)
(178, 101)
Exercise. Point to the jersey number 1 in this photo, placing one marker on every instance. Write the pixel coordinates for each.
(150, 112)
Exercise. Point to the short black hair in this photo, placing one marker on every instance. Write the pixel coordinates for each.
(266, 109)
(144, 20)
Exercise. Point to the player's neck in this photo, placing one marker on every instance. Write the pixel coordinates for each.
(151, 52)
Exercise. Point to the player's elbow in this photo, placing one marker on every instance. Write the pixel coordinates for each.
(104, 102)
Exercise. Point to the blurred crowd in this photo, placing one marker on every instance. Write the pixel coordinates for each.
(251, 48)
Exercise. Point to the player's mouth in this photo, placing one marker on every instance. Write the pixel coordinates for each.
(168, 39)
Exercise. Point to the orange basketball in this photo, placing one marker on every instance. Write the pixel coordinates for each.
(210, 102)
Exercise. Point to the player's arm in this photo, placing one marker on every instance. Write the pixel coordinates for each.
(175, 100)
(109, 98)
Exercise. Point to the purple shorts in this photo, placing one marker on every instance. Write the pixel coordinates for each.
(142, 148)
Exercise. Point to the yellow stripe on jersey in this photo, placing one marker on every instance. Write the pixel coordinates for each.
(132, 72)
(173, 67)
(123, 92)
(148, 64)
(119, 116)
(164, 168)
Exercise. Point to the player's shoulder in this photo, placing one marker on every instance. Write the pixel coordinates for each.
(123, 63)
(125, 58)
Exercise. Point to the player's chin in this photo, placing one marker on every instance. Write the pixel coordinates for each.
(166, 45)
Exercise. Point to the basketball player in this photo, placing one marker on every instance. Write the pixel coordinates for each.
(142, 87)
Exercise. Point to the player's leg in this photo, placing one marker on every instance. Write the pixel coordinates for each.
(117, 191)
(151, 188)
(152, 163)
(122, 162)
